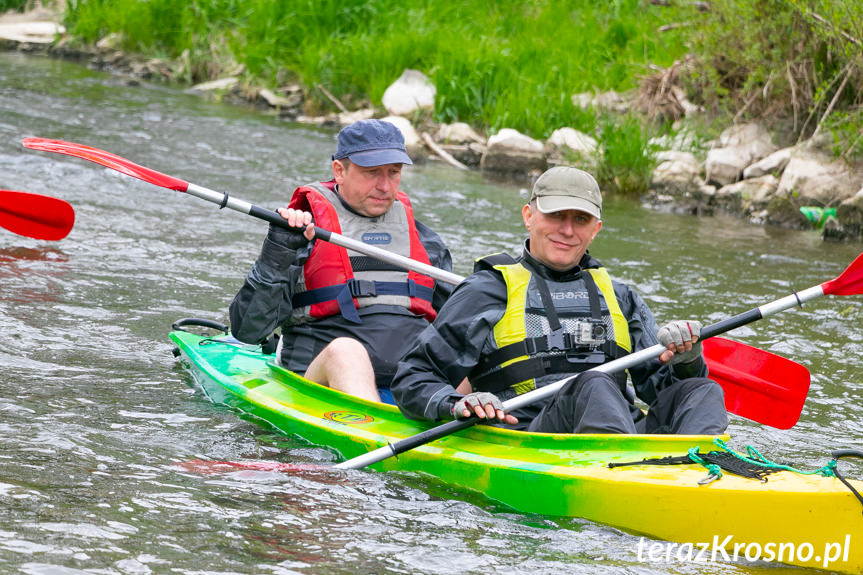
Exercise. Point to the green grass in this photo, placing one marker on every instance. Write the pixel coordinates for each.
(494, 64)
(517, 64)
(18, 5)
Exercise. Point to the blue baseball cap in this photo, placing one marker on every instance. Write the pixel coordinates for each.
(370, 143)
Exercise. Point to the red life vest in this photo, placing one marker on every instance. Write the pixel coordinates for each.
(330, 284)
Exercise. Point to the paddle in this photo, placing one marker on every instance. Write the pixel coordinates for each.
(758, 385)
(850, 282)
(738, 397)
(224, 200)
(35, 216)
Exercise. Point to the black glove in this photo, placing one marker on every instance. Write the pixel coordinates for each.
(291, 238)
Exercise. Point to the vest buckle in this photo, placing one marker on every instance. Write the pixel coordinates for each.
(556, 340)
(362, 288)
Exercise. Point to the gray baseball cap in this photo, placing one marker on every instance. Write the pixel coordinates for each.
(566, 188)
(370, 143)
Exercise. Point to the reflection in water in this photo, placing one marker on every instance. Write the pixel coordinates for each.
(29, 275)
(95, 413)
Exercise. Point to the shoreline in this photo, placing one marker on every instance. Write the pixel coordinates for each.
(730, 178)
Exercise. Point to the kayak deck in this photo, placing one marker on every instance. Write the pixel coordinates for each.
(556, 474)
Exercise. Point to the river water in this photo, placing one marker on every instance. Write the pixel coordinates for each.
(95, 412)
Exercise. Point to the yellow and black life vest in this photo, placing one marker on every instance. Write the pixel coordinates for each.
(550, 327)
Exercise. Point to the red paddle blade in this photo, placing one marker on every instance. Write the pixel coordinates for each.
(35, 216)
(108, 160)
(758, 385)
(849, 282)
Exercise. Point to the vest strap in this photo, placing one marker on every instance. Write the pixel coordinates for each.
(544, 344)
(344, 293)
(536, 367)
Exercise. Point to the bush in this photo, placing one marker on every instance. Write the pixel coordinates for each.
(789, 62)
(18, 5)
(626, 158)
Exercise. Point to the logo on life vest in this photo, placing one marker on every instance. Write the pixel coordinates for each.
(561, 295)
(377, 238)
(348, 417)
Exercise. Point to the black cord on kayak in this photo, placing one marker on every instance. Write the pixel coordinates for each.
(838, 454)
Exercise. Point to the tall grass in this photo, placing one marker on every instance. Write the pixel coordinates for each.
(517, 64)
(18, 5)
(625, 158)
(793, 63)
(506, 64)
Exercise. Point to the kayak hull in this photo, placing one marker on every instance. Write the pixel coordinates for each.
(811, 521)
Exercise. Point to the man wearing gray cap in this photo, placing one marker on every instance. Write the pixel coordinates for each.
(517, 324)
(345, 319)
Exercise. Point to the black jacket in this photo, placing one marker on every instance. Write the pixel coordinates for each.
(447, 351)
(264, 302)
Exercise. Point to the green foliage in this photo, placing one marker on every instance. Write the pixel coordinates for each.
(785, 61)
(494, 64)
(626, 158)
(18, 5)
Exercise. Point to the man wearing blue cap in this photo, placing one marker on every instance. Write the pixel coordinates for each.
(346, 319)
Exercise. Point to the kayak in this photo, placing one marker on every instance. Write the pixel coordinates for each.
(686, 512)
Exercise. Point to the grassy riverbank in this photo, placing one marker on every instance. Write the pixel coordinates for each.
(495, 65)
(796, 64)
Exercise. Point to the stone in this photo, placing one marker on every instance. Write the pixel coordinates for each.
(850, 216)
(511, 152)
(215, 85)
(677, 173)
(458, 133)
(725, 165)
(747, 196)
(274, 100)
(467, 154)
(31, 32)
(607, 101)
(739, 146)
(514, 140)
(413, 142)
(576, 141)
(782, 211)
(413, 91)
(348, 118)
(812, 178)
(772, 164)
(111, 42)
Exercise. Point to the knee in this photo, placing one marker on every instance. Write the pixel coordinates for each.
(701, 385)
(593, 383)
(345, 345)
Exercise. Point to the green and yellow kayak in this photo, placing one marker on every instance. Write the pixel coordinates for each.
(809, 520)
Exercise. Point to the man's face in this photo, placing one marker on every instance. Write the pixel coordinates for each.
(559, 239)
(370, 191)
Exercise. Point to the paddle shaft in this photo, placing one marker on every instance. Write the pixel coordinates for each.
(547, 391)
(224, 200)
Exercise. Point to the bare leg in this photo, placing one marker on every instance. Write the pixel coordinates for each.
(345, 365)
